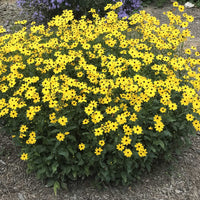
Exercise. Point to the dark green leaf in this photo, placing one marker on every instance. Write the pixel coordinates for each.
(64, 153)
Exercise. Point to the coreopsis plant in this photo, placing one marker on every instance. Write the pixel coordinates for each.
(103, 97)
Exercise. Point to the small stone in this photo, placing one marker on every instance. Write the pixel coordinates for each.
(189, 5)
(20, 196)
(2, 162)
(178, 191)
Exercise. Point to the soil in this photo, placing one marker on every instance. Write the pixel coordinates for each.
(177, 180)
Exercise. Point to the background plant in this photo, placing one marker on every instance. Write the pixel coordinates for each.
(43, 10)
(103, 97)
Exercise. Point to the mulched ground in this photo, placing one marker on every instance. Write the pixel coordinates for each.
(178, 180)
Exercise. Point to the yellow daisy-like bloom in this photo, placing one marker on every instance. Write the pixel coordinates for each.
(157, 118)
(162, 110)
(102, 143)
(81, 146)
(159, 126)
(196, 125)
(189, 117)
(98, 151)
(137, 129)
(98, 131)
(31, 140)
(142, 153)
(60, 137)
(120, 147)
(175, 4)
(13, 114)
(24, 156)
(128, 153)
(23, 128)
(85, 121)
(138, 146)
(126, 140)
(181, 8)
(62, 121)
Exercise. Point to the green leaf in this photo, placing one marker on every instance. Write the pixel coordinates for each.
(148, 167)
(54, 166)
(167, 133)
(50, 182)
(41, 172)
(69, 128)
(64, 186)
(54, 131)
(70, 150)
(74, 173)
(56, 186)
(86, 133)
(124, 177)
(81, 162)
(160, 143)
(64, 153)
(67, 170)
(86, 171)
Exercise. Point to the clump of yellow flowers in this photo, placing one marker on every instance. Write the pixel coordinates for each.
(105, 96)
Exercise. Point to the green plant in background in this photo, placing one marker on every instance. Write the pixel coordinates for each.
(104, 97)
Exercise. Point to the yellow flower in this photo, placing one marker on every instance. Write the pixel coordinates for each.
(137, 129)
(159, 126)
(162, 110)
(128, 153)
(139, 146)
(126, 140)
(31, 140)
(85, 121)
(98, 131)
(184, 24)
(172, 106)
(181, 8)
(24, 156)
(196, 125)
(120, 147)
(60, 137)
(62, 121)
(67, 133)
(142, 153)
(150, 128)
(98, 151)
(175, 4)
(13, 114)
(189, 117)
(81, 146)
(157, 118)
(102, 143)
(133, 117)
(23, 128)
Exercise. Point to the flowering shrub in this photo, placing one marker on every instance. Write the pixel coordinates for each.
(44, 10)
(104, 97)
